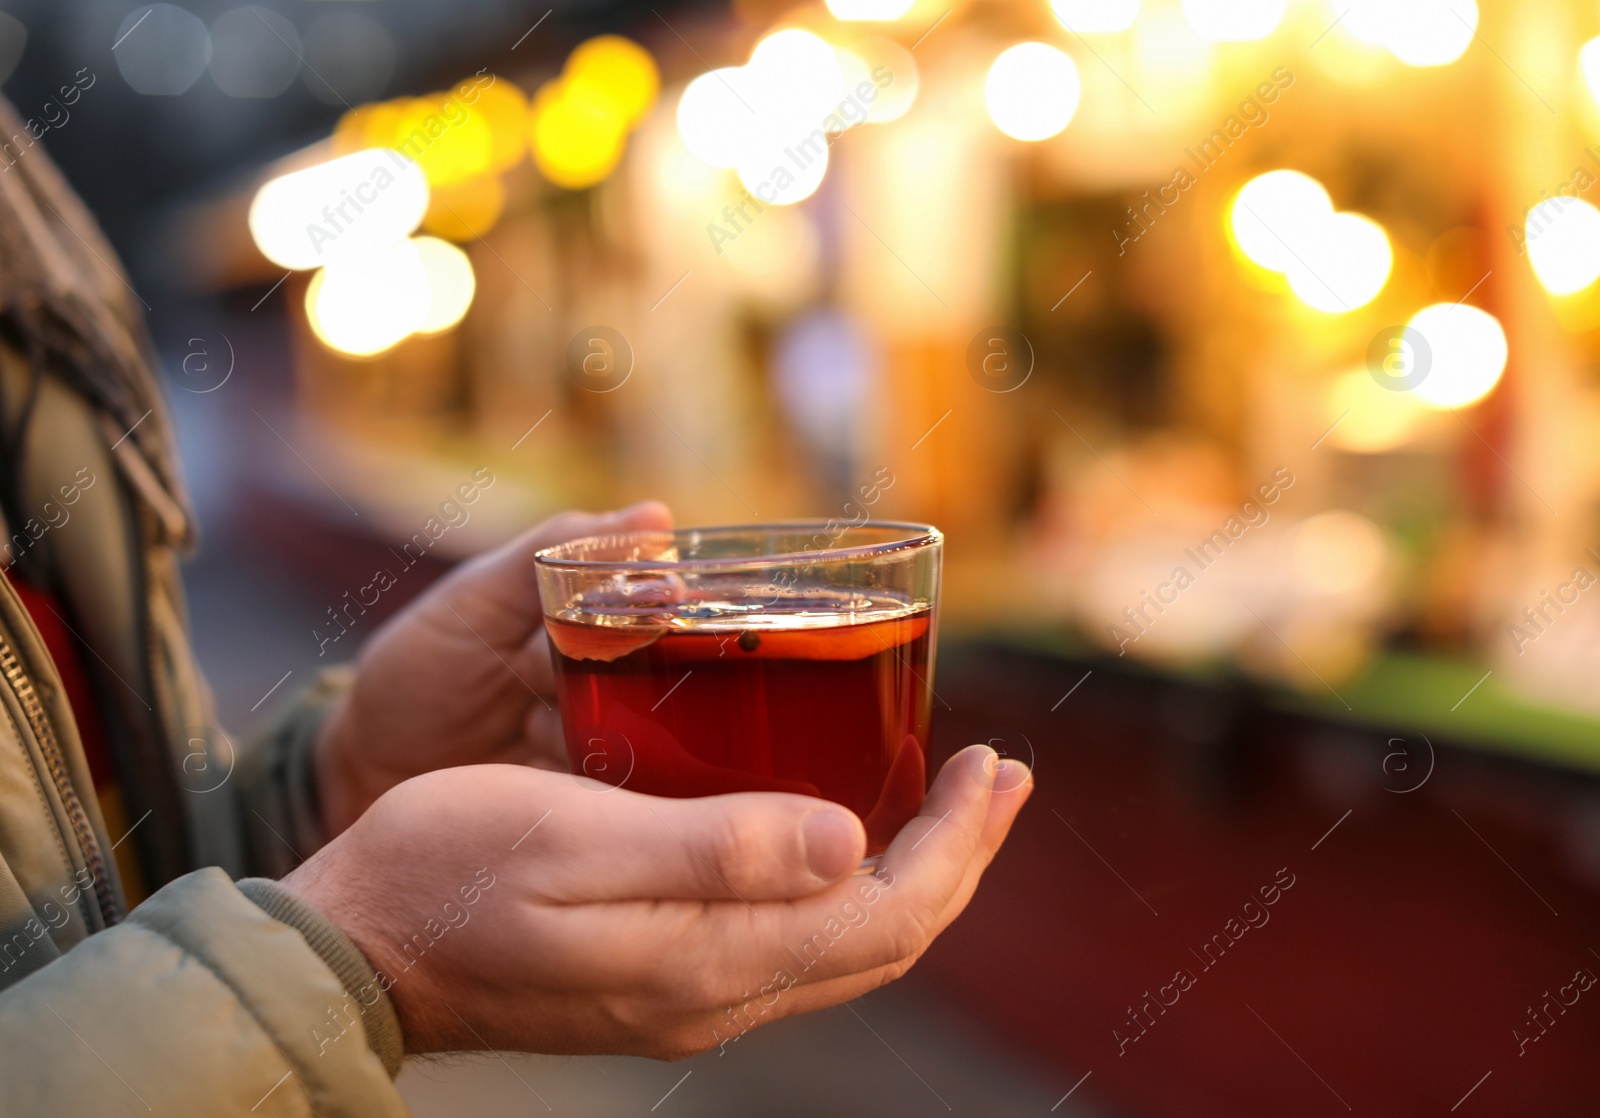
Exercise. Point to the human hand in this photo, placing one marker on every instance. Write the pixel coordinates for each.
(461, 676)
(511, 908)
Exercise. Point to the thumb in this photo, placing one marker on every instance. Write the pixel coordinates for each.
(497, 593)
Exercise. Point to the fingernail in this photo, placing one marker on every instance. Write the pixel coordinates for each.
(832, 839)
(988, 764)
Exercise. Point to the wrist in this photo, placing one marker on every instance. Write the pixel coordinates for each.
(358, 915)
(364, 983)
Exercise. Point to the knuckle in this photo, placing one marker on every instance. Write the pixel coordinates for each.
(704, 989)
(908, 939)
(733, 853)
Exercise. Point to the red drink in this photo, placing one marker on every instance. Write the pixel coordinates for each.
(712, 698)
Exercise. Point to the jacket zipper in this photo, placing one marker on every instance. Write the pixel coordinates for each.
(28, 697)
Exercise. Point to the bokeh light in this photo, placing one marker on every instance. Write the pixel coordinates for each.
(1563, 244)
(1344, 262)
(1092, 17)
(773, 175)
(621, 71)
(880, 10)
(715, 117)
(1468, 350)
(1269, 204)
(368, 304)
(897, 67)
(169, 53)
(348, 206)
(449, 143)
(1430, 32)
(577, 139)
(797, 79)
(1370, 419)
(1032, 91)
(578, 123)
(451, 283)
(255, 52)
(1284, 221)
(466, 210)
(1589, 63)
(1338, 551)
(1234, 20)
(1417, 32)
(503, 108)
(349, 57)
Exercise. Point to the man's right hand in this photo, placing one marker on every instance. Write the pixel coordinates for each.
(614, 922)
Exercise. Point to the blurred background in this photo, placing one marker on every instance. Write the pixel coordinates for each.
(1271, 495)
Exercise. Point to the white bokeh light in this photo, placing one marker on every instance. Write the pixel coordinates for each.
(1096, 17)
(796, 78)
(344, 207)
(1563, 243)
(1344, 261)
(1589, 63)
(371, 303)
(717, 117)
(1032, 91)
(1417, 32)
(1467, 354)
(903, 81)
(1270, 208)
(783, 175)
(1430, 32)
(451, 283)
(881, 10)
(1234, 20)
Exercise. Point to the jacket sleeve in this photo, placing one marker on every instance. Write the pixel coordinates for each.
(277, 784)
(200, 1003)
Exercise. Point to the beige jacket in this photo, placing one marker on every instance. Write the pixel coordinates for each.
(208, 998)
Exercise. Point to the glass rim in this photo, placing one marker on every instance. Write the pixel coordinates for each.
(916, 536)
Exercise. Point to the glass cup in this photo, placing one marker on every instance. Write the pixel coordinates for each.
(791, 657)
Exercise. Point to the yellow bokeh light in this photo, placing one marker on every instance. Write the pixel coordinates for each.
(1369, 419)
(1032, 91)
(577, 140)
(451, 283)
(1467, 353)
(503, 107)
(1090, 17)
(466, 210)
(449, 143)
(622, 71)
(1563, 243)
(371, 126)
(880, 10)
(1234, 20)
(364, 306)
